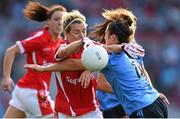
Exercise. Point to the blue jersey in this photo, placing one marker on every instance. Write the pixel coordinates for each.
(128, 82)
(107, 100)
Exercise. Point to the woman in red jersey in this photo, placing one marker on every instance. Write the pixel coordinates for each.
(30, 97)
(73, 99)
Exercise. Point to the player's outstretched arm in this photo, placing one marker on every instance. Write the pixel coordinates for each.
(70, 49)
(65, 65)
(113, 48)
(132, 49)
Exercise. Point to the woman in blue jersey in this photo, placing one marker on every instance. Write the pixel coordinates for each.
(127, 76)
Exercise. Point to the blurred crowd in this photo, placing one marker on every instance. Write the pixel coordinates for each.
(158, 31)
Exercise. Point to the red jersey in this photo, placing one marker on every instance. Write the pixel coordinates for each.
(72, 98)
(40, 49)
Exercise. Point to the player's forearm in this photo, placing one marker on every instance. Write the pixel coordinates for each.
(70, 49)
(66, 65)
(103, 84)
(146, 75)
(105, 88)
(8, 61)
(148, 78)
(113, 48)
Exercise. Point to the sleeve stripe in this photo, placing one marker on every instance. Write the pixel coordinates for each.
(19, 44)
(59, 58)
(38, 34)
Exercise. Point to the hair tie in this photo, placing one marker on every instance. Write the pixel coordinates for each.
(73, 21)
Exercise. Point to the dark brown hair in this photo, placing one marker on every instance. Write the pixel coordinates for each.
(120, 22)
(36, 11)
(122, 29)
(99, 30)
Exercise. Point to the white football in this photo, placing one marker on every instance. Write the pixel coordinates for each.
(94, 57)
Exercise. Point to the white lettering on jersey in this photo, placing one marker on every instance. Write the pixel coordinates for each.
(72, 81)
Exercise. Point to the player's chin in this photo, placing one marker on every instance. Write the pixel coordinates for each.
(57, 31)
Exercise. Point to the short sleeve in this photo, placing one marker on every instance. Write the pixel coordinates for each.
(31, 43)
(60, 48)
